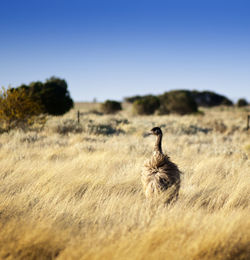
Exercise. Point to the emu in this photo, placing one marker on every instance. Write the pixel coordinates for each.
(160, 175)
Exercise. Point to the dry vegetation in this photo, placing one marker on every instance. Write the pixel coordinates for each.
(73, 191)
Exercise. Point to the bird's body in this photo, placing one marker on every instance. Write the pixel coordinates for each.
(160, 175)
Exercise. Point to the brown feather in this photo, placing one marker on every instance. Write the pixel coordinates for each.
(161, 175)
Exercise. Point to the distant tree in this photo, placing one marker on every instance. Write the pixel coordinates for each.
(53, 95)
(111, 107)
(146, 105)
(177, 101)
(242, 102)
(210, 99)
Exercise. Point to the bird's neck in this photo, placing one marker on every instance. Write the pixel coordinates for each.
(158, 148)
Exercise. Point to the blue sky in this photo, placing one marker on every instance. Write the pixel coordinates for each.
(110, 49)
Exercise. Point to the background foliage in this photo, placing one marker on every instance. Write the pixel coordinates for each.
(111, 107)
(17, 109)
(177, 101)
(146, 105)
(242, 102)
(53, 94)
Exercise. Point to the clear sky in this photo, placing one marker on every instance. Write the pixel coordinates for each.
(109, 49)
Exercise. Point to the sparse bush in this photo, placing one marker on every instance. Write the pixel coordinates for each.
(95, 112)
(192, 130)
(242, 102)
(31, 138)
(18, 109)
(177, 101)
(217, 125)
(146, 105)
(89, 126)
(102, 129)
(111, 107)
(116, 122)
(67, 126)
(110, 127)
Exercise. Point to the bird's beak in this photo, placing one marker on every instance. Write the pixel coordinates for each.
(147, 134)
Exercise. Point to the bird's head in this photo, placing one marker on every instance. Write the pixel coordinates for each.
(156, 131)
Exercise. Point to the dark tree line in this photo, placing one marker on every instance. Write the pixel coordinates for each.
(176, 101)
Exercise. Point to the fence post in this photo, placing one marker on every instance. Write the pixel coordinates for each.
(78, 116)
(248, 121)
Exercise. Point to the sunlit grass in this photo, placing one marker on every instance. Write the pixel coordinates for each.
(77, 194)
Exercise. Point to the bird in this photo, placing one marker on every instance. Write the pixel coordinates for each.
(160, 175)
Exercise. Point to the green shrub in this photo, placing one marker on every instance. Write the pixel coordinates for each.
(68, 126)
(177, 101)
(102, 129)
(242, 102)
(18, 109)
(111, 107)
(210, 99)
(53, 95)
(146, 105)
(202, 98)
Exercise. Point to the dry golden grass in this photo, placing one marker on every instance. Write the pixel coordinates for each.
(75, 193)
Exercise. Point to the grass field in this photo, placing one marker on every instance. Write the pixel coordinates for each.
(73, 191)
